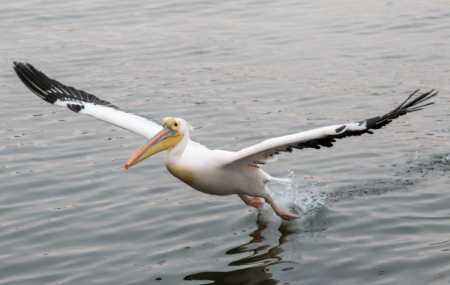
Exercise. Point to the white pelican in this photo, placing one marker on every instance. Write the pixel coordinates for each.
(215, 172)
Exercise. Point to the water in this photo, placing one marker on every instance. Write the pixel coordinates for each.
(374, 209)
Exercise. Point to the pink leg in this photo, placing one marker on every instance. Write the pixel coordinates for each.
(252, 201)
(280, 212)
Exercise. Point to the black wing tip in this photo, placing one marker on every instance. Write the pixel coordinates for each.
(19, 64)
(408, 106)
(34, 81)
(51, 90)
(371, 124)
(421, 98)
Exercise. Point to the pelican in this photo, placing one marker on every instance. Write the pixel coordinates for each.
(215, 172)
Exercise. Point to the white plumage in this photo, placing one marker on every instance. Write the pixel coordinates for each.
(215, 172)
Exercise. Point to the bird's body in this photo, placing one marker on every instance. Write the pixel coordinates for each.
(214, 172)
(207, 172)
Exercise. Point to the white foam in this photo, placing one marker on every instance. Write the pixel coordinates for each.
(303, 198)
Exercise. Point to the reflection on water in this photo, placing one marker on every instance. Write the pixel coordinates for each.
(266, 250)
(244, 71)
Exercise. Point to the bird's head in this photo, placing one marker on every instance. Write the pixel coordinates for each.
(172, 133)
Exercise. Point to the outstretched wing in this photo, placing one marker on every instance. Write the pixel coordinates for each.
(268, 150)
(82, 102)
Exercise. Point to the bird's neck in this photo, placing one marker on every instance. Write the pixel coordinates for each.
(176, 151)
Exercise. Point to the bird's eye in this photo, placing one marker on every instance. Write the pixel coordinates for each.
(176, 125)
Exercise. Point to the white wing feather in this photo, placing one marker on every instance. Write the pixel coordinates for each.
(131, 122)
(84, 103)
(81, 102)
(267, 151)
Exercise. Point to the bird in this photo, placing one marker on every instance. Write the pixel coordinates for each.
(215, 172)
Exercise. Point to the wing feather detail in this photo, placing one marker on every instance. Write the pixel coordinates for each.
(82, 102)
(325, 137)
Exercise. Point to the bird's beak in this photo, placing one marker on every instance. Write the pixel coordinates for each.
(155, 145)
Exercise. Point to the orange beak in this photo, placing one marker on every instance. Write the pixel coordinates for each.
(149, 148)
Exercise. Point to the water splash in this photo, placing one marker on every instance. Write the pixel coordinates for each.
(446, 159)
(304, 197)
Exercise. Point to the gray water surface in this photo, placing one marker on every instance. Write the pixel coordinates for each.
(374, 209)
